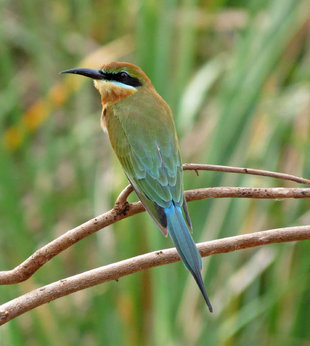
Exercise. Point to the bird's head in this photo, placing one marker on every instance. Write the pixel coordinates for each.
(115, 80)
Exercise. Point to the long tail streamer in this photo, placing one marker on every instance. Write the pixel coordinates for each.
(186, 246)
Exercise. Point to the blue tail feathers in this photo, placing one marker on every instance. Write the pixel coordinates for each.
(183, 241)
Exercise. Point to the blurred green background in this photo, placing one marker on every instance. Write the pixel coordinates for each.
(236, 74)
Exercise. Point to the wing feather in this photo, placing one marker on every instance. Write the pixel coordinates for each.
(144, 139)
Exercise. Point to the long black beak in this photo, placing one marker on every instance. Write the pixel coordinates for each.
(94, 74)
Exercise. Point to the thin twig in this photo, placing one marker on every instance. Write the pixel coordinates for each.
(122, 197)
(114, 271)
(283, 176)
(123, 209)
(196, 167)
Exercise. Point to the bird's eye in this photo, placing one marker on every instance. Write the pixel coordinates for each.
(123, 74)
(125, 78)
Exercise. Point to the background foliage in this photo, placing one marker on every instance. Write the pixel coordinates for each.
(236, 74)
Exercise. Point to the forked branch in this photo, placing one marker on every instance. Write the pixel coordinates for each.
(122, 209)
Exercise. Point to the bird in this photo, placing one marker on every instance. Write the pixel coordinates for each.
(142, 133)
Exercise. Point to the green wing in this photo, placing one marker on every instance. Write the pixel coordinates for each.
(142, 133)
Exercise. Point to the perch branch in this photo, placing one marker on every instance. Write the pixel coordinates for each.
(227, 169)
(122, 209)
(114, 271)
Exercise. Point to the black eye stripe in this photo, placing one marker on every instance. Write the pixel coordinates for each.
(122, 77)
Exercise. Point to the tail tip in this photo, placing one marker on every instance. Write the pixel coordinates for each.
(209, 306)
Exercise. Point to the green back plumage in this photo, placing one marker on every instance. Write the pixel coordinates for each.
(143, 136)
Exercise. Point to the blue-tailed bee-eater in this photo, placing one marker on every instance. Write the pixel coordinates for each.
(143, 135)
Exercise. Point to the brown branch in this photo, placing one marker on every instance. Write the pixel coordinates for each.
(23, 271)
(240, 170)
(114, 271)
(123, 209)
(247, 192)
(122, 198)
